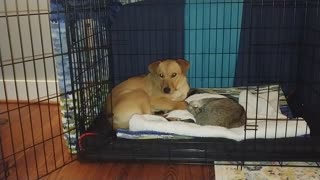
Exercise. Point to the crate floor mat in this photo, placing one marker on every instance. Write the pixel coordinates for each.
(267, 171)
(268, 116)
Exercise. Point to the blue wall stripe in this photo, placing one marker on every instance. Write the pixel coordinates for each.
(212, 34)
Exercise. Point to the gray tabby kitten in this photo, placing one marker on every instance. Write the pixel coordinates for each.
(223, 112)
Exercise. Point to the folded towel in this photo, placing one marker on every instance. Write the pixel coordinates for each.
(255, 129)
(261, 106)
(258, 107)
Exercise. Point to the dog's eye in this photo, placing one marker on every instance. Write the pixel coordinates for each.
(161, 75)
(174, 75)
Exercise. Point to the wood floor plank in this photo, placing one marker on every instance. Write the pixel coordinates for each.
(33, 146)
(139, 171)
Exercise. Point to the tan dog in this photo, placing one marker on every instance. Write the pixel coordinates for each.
(164, 88)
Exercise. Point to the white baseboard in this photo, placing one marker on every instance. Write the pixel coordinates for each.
(19, 87)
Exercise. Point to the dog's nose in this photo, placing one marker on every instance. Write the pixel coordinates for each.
(166, 90)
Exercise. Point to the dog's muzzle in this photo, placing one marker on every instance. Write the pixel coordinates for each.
(166, 90)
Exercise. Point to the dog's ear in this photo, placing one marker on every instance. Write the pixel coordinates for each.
(184, 65)
(153, 66)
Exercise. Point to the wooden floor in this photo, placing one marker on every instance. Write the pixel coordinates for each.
(33, 146)
(132, 171)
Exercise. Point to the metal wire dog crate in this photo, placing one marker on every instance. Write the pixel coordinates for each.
(229, 43)
(61, 58)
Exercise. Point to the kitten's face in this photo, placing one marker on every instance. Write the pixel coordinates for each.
(199, 103)
(195, 106)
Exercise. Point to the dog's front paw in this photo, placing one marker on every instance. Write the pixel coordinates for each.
(182, 105)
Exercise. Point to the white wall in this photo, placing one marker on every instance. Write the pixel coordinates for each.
(19, 68)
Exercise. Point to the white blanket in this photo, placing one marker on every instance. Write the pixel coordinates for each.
(264, 127)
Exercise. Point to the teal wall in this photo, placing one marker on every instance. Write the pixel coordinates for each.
(212, 34)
